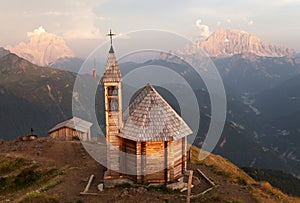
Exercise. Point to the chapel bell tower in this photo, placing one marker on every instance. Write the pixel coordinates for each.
(112, 79)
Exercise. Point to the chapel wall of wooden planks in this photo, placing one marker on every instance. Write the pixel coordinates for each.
(150, 162)
(68, 134)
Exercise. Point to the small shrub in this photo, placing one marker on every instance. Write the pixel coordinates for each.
(241, 181)
(124, 185)
(75, 137)
(163, 188)
(27, 177)
(3, 184)
(223, 173)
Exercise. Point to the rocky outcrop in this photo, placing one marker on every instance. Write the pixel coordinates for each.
(43, 48)
(224, 43)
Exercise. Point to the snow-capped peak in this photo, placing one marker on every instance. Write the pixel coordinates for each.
(42, 48)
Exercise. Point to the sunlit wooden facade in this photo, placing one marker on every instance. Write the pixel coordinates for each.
(150, 143)
(70, 129)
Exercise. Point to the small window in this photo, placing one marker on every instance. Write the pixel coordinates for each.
(113, 104)
(112, 91)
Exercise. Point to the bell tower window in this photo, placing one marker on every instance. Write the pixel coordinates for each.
(113, 104)
(112, 91)
(112, 96)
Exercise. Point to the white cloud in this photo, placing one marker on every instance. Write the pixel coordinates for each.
(250, 22)
(124, 36)
(81, 26)
(203, 28)
(77, 24)
(71, 19)
(288, 2)
(37, 31)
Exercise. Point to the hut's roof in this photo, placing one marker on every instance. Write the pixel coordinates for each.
(151, 118)
(74, 123)
(112, 71)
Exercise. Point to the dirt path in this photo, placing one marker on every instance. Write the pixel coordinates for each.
(77, 166)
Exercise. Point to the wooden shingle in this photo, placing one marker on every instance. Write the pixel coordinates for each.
(112, 71)
(151, 118)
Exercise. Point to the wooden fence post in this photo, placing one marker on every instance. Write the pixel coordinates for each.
(188, 198)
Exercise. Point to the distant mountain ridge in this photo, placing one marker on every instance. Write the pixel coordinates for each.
(43, 48)
(32, 96)
(245, 75)
(40, 97)
(224, 43)
(3, 52)
(36, 97)
(72, 64)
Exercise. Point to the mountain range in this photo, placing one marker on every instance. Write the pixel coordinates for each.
(42, 48)
(261, 83)
(223, 43)
(32, 96)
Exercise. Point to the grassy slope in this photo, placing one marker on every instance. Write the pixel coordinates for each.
(285, 182)
(60, 170)
(227, 175)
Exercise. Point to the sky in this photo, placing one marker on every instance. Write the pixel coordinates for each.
(83, 23)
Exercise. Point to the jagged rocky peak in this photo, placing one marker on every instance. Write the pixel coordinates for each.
(223, 43)
(3, 52)
(42, 48)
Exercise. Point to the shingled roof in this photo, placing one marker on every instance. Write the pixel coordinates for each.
(151, 118)
(112, 71)
(74, 123)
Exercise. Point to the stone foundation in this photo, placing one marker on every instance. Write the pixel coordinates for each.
(111, 182)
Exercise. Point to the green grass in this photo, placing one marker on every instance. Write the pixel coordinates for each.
(38, 197)
(285, 182)
(214, 169)
(26, 178)
(10, 164)
(50, 185)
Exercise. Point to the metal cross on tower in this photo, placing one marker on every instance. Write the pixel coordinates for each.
(110, 34)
